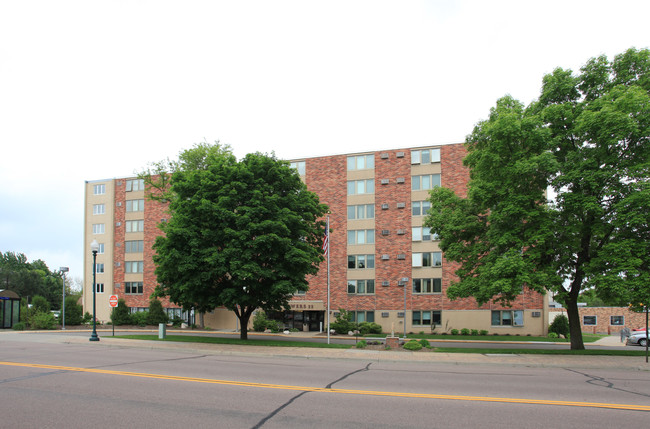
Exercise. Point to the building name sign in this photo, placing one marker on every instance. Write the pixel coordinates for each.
(307, 306)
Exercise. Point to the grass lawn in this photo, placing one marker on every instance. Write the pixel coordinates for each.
(306, 344)
(587, 338)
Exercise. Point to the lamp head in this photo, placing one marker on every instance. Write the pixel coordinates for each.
(94, 246)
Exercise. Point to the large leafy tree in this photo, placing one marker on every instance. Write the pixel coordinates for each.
(587, 140)
(29, 279)
(242, 234)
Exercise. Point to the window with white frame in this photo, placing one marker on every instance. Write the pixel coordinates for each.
(135, 205)
(425, 182)
(361, 236)
(422, 233)
(427, 259)
(589, 320)
(134, 225)
(134, 246)
(99, 209)
(299, 166)
(99, 228)
(133, 288)
(427, 286)
(361, 262)
(361, 162)
(100, 249)
(99, 189)
(426, 318)
(360, 187)
(132, 267)
(99, 268)
(420, 208)
(617, 320)
(362, 316)
(507, 318)
(99, 287)
(135, 185)
(362, 211)
(425, 156)
(361, 287)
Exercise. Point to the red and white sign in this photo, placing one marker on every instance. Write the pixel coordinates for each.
(112, 300)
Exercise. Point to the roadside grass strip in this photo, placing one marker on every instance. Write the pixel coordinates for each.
(631, 407)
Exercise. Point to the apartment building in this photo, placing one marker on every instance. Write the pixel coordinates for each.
(385, 266)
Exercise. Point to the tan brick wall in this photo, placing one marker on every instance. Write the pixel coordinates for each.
(632, 320)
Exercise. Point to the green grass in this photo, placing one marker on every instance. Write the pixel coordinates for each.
(236, 341)
(587, 338)
(541, 351)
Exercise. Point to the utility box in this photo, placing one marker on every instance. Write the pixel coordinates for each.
(162, 331)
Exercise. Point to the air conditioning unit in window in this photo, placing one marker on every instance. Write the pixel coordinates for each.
(118, 224)
(400, 154)
(401, 205)
(119, 204)
(400, 314)
(384, 314)
(401, 257)
(537, 314)
(400, 180)
(384, 155)
(117, 264)
(385, 232)
(384, 206)
(385, 257)
(401, 231)
(385, 283)
(385, 181)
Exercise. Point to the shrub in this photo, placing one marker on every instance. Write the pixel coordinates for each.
(362, 344)
(42, 321)
(483, 332)
(156, 313)
(454, 332)
(424, 343)
(139, 318)
(273, 325)
(87, 318)
(552, 335)
(177, 321)
(20, 326)
(475, 332)
(343, 323)
(39, 305)
(73, 311)
(464, 331)
(121, 315)
(369, 328)
(259, 321)
(560, 325)
(413, 345)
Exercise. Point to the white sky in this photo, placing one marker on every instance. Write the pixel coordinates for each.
(144, 80)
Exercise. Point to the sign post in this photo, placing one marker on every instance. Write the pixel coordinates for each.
(112, 301)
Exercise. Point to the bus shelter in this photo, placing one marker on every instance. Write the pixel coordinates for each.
(9, 308)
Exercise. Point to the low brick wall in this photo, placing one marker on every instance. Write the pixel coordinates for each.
(604, 320)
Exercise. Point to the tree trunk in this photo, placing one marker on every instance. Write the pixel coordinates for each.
(575, 330)
(243, 324)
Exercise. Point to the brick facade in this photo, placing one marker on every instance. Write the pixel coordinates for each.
(609, 320)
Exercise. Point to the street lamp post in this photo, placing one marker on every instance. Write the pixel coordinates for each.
(63, 271)
(94, 246)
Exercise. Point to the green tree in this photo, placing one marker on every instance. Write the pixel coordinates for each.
(586, 139)
(156, 312)
(73, 311)
(242, 234)
(121, 315)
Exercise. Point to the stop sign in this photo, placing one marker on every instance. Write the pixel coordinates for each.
(112, 300)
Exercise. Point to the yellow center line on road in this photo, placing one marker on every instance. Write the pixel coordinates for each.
(632, 407)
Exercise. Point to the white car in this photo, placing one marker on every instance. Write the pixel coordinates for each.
(637, 338)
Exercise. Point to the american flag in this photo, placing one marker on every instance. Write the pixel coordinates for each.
(326, 240)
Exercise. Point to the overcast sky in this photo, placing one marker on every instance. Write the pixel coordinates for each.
(99, 89)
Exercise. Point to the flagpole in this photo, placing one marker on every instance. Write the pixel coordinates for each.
(328, 279)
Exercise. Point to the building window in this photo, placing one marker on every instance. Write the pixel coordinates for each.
(100, 250)
(299, 166)
(99, 287)
(361, 236)
(99, 189)
(427, 285)
(99, 209)
(422, 233)
(300, 293)
(98, 228)
(358, 187)
(361, 162)
(134, 266)
(425, 156)
(363, 211)
(617, 320)
(427, 259)
(134, 225)
(589, 320)
(507, 318)
(133, 288)
(135, 185)
(427, 181)
(361, 261)
(363, 316)
(420, 208)
(134, 205)
(427, 318)
(361, 287)
(134, 246)
(99, 268)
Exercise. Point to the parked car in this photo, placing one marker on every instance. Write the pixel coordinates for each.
(637, 338)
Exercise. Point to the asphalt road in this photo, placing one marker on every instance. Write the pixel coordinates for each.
(50, 382)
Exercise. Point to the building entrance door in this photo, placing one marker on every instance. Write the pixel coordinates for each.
(313, 319)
